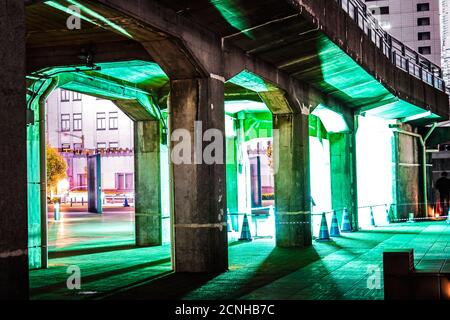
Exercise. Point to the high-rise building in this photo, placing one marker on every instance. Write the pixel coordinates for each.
(416, 23)
(78, 125)
(445, 34)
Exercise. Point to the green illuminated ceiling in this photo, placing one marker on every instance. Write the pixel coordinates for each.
(347, 80)
(231, 12)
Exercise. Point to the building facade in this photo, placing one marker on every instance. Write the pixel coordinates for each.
(81, 125)
(414, 22)
(445, 34)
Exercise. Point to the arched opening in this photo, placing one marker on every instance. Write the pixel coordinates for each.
(82, 120)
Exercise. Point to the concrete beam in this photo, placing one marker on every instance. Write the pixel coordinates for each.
(147, 174)
(13, 159)
(199, 189)
(45, 57)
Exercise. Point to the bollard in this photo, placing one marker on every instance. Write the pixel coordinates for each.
(56, 211)
(71, 202)
(82, 201)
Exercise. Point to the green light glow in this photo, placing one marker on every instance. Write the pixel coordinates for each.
(101, 18)
(60, 7)
(249, 81)
(334, 122)
(347, 80)
(232, 107)
(230, 11)
(89, 12)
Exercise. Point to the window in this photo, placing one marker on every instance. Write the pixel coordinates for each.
(129, 181)
(425, 50)
(423, 7)
(81, 179)
(384, 10)
(65, 122)
(113, 121)
(124, 181)
(424, 36)
(77, 146)
(65, 95)
(423, 21)
(65, 147)
(77, 96)
(114, 145)
(101, 145)
(77, 122)
(380, 10)
(101, 121)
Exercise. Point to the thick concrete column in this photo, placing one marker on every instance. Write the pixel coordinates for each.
(199, 188)
(13, 166)
(343, 175)
(147, 186)
(292, 180)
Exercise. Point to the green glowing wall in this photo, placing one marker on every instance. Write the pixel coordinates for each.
(34, 180)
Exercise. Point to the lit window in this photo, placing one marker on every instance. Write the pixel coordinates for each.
(101, 121)
(77, 122)
(113, 121)
(65, 122)
(114, 145)
(101, 145)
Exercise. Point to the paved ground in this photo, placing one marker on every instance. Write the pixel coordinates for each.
(79, 230)
(258, 270)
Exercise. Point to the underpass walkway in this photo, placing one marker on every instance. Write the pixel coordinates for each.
(339, 269)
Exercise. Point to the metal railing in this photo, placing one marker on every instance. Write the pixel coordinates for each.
(398, 53)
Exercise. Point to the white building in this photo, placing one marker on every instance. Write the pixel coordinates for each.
(79, 125)
(416, 23)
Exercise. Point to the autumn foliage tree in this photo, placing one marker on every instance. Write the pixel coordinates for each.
(56, 168)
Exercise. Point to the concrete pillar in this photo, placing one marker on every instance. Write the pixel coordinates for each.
(343, 175)
(292, 180)
(199, 188)
(147, 175)
(407, 177)
(13, 166)
(94, 183)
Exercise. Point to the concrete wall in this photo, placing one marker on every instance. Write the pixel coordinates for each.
(408, 187)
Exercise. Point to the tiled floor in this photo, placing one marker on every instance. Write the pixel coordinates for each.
(350, 267)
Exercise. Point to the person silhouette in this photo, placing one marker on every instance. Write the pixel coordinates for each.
(443, 186)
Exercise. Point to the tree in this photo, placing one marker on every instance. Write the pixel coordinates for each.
(56, 168)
